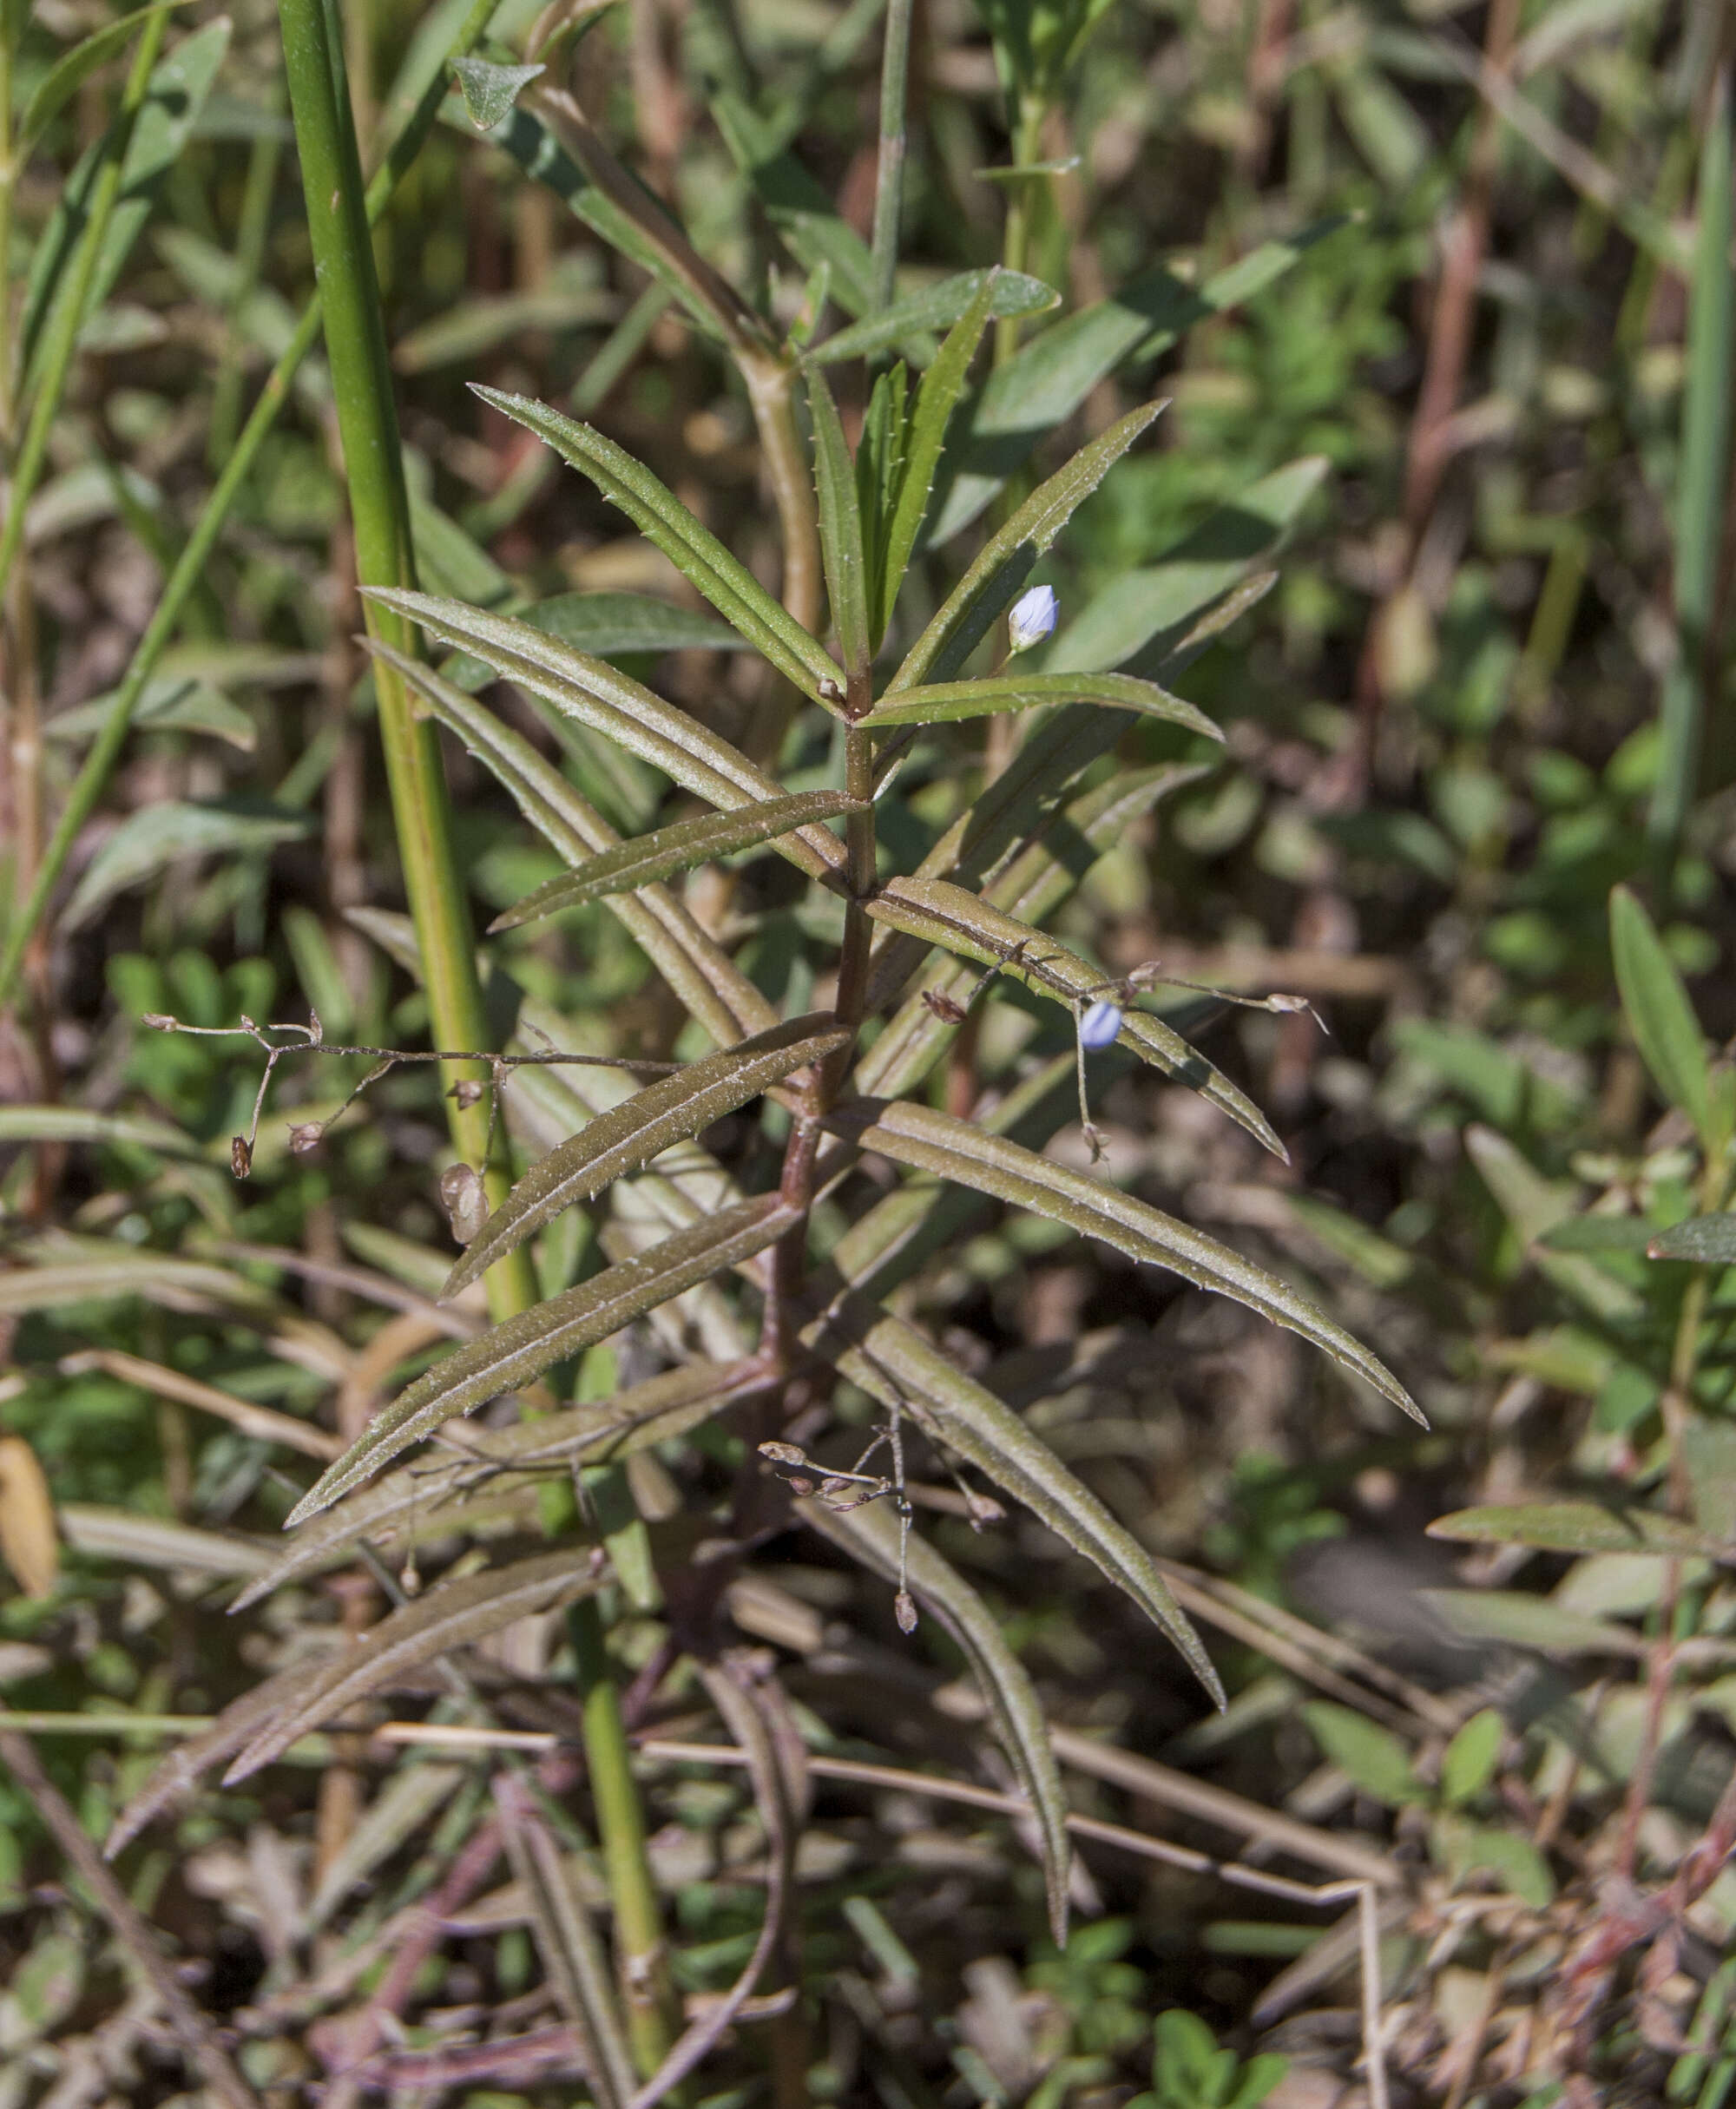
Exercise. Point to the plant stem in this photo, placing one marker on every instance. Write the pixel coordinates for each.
(99, 763)
(1016, 239)
(379, 506)
(889, 188)
(647, 1985)
(1706, 440)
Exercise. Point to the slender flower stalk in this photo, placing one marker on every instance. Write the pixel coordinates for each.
(889, 190)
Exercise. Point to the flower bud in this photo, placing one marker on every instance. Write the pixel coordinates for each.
(466, 1204)
(1101, 1026)
(1032, 619)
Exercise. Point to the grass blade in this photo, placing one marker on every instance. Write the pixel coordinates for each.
(931, 1141)
(1658, 1014)
(725, 581)
(641, 1128)
(511, 1354)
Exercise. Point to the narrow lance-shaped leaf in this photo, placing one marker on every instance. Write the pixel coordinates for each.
(932, 1141)
(840, 529)
(1031, 888)
(419, 1501)
(706, 979)
(944, 700)
(599, 695)
(938, 307)
(1709, 1239)
(512, 1354)
(871, 1536)
(70, 72)
(641, 1128)
(573, 1958)
(894, 1363)
(452, 1614)
(661, 518)
(646, 858)
(1005, 559)
(944, 914)
(1658, 1012)
(930, 420)
(1578, 1527)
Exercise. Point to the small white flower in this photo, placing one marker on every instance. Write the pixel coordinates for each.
(1100, 1025)
(1032, 619)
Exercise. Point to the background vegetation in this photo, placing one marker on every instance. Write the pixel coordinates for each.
(1433, 528)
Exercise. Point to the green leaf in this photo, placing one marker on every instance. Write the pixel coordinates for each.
(649, 858)
(807, 220)
(894, 1363)
(1519, 1620)
(880, 471)
(1709, 1239)
(707, 981)
(154, 837)
(78, 1124)
(452, 1614)
(1576, 1526)
(574, 1963)
(1534, 1204)
(490, 91)
(419, 1501)
(932, 1141)
(725, 581)
(611, 624)
(640, 1129)
(940, 913)
(1468, 1763)
(1007, 692)
(72, 70)
(872, 1535)
(1047, 380)
(1005, 559)
(1153, 603)
(608, 701)
(840, 529)
(170, 703)
(512, 1354)
(1658, 1014)
(938, 307)
(930, 420)
(1029, 888)
(175, 96)
(1470, 1848)
(1373, 1758)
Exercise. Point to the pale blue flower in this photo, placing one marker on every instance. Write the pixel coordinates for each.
(1100, 1025)
(1032, 619)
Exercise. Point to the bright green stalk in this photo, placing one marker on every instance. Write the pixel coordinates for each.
(1699, 510)
(379, 512)
(647, 1985)
(889, 190)
(250, 250)
(1022, 198)
(68, 318)
(92, 777)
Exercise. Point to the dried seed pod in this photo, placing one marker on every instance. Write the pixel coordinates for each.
(463, 1199)
(305, 1135)
(468, 1092)
(783, 1453)
(904, 1610)
(948, 1009)
(982, 1509)
(241, 1157)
